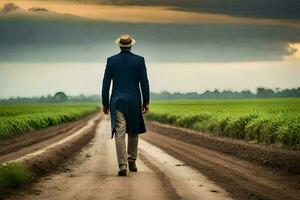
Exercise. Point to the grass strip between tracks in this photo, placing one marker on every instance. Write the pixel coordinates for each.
(13, 175)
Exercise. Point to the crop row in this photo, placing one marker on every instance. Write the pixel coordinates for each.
(17, 119)
(271, 123)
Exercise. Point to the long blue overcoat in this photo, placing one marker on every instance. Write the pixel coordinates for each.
(127, 71)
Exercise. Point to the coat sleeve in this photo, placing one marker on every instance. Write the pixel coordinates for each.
(144, 83)
(106, 84)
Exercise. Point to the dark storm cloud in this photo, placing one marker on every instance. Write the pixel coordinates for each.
(28, 40)
(250, 8)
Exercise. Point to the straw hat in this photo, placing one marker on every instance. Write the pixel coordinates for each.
(125, 41)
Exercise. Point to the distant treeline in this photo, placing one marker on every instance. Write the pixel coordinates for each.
(228, 94)
(216, 94)
(57, 98)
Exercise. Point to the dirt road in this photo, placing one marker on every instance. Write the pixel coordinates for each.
(242, 179)
(93, 175)
(168, 169)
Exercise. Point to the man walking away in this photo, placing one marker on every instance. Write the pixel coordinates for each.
(128, 73)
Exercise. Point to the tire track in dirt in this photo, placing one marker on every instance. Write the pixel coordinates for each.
(242, 179)
(93, 175)
(13, 148)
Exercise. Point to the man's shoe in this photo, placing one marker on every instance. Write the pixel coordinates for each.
(132, 166)
(122, 172)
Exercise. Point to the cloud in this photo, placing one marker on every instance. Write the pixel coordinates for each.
(34, 9)
(280, 9)
(51, 36)
(141, 14)
(13, 8)
(92, 41)
(9, 7)
(249, 8)
(35, 12)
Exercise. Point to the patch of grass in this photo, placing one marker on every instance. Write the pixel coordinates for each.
(13, 175)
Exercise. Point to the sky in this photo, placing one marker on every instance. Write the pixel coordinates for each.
(192, 45)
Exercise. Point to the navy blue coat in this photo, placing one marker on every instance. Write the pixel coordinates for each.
(128, 73)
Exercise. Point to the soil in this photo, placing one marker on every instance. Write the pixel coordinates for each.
(171, 165)
(242, 179)
(265, 155)
(93, 175)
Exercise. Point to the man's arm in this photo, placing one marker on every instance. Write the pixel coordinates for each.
(105, 88)
(144, 86)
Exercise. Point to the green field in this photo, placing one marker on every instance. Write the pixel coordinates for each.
(269, 121)
(16, 119)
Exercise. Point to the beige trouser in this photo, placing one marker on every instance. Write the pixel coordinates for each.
(120, 132)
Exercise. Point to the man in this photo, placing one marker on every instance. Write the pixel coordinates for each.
(129, 75)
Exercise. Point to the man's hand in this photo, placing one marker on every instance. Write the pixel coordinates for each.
(145, 109)
(105, 109)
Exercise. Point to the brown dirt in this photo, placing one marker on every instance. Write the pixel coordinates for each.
(48, 155)
(18, 146)
(93, 175)
(53, 157)
(169, 189)
(282, 159)
(242, 179)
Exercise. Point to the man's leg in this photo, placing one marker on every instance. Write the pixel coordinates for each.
(132, 151)
(120, 132)
(132, 146)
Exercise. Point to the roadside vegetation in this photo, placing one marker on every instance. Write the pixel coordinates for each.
(269, 121)
(14, 175)
(16, 119)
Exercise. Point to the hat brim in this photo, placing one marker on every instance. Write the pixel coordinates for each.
(117, 42)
